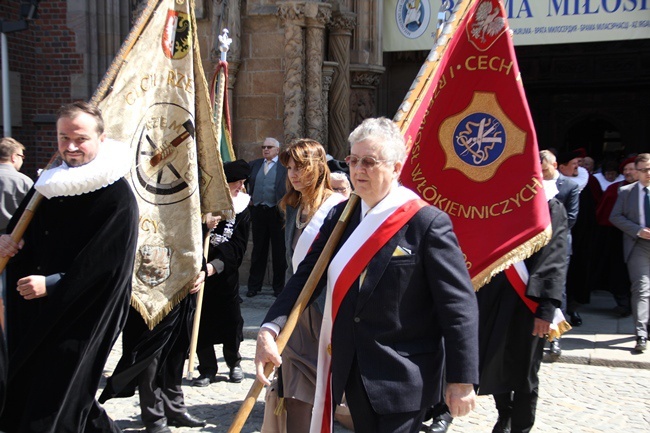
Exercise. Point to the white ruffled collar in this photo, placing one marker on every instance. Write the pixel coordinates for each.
(240, 202)
(113, 161)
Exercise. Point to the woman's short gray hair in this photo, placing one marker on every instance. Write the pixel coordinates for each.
(384, 132)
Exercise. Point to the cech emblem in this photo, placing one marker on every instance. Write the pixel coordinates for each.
(412, 17)
(155, 264)
(479, 139)
(176, 37)
(165, 170)
(487, 24)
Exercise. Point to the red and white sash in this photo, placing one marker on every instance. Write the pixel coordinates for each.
(311, 231)
(518, 276)
(378, 226)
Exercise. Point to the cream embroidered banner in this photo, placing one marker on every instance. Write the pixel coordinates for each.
(155, 98)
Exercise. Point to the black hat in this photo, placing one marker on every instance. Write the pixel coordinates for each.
(565, 157)
(335, 165)
(236, 170)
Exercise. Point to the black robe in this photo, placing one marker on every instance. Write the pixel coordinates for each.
(510, 355)
(58, 344)
(221, 319)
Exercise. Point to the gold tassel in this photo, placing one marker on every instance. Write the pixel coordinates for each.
(562, 328)
(280, 407)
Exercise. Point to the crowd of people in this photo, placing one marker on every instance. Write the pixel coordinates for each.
(394, 333)
(606, 234)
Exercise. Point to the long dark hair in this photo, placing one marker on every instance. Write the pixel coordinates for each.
(309, 156)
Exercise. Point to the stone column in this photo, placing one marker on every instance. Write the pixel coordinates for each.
(292, 16)
(328, 72)
(101, 27)
(317, 15)
(363, 99)
(339, 111)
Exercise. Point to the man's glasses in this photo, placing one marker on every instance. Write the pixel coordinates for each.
(267, 147)
(21, 155)
(367, 162)
(643, 170)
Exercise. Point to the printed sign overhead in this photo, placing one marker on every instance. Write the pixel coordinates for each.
(411, 25)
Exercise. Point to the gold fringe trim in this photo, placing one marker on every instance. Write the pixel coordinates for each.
(518, 254)
(563, 327)
(152, 321)
(280, 407)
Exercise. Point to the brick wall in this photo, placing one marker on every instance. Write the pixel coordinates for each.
(45, 56)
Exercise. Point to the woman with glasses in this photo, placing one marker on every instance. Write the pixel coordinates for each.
(307, 202)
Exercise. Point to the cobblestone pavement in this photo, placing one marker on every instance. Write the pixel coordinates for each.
(573, 398)
(591, 389)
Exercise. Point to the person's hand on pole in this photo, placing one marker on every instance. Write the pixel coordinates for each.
(266, 351)
(8, 247)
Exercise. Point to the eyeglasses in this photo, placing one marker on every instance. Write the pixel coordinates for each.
(267, 147)
(340, 189)
(21, 155)
(367, 162)
(643, 170)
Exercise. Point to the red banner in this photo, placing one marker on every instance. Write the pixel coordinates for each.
(473, 148)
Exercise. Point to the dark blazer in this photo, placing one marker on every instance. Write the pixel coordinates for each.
(395, 324)
(625, 216)
(280, 178)
(569, 196)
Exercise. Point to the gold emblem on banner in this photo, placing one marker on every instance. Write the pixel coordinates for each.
(480, 138)
(177, 35)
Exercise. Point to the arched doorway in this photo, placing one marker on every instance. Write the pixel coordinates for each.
(598, 136)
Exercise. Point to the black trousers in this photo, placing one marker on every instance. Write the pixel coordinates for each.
(364, 417)
(519, 407)
(208, 359)
(267, 226)
(159, 386)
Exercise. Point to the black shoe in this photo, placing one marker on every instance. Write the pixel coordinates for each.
(555, 348)
(251, 293)
(158, 427)
(204, 380)
(186, 420)
(440, 424)
(501, 426)
(236, 374)
(641, 343)
(575, 319)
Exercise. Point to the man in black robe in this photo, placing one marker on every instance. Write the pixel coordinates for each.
(69, 281)
(221, 318)
(510, 334)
